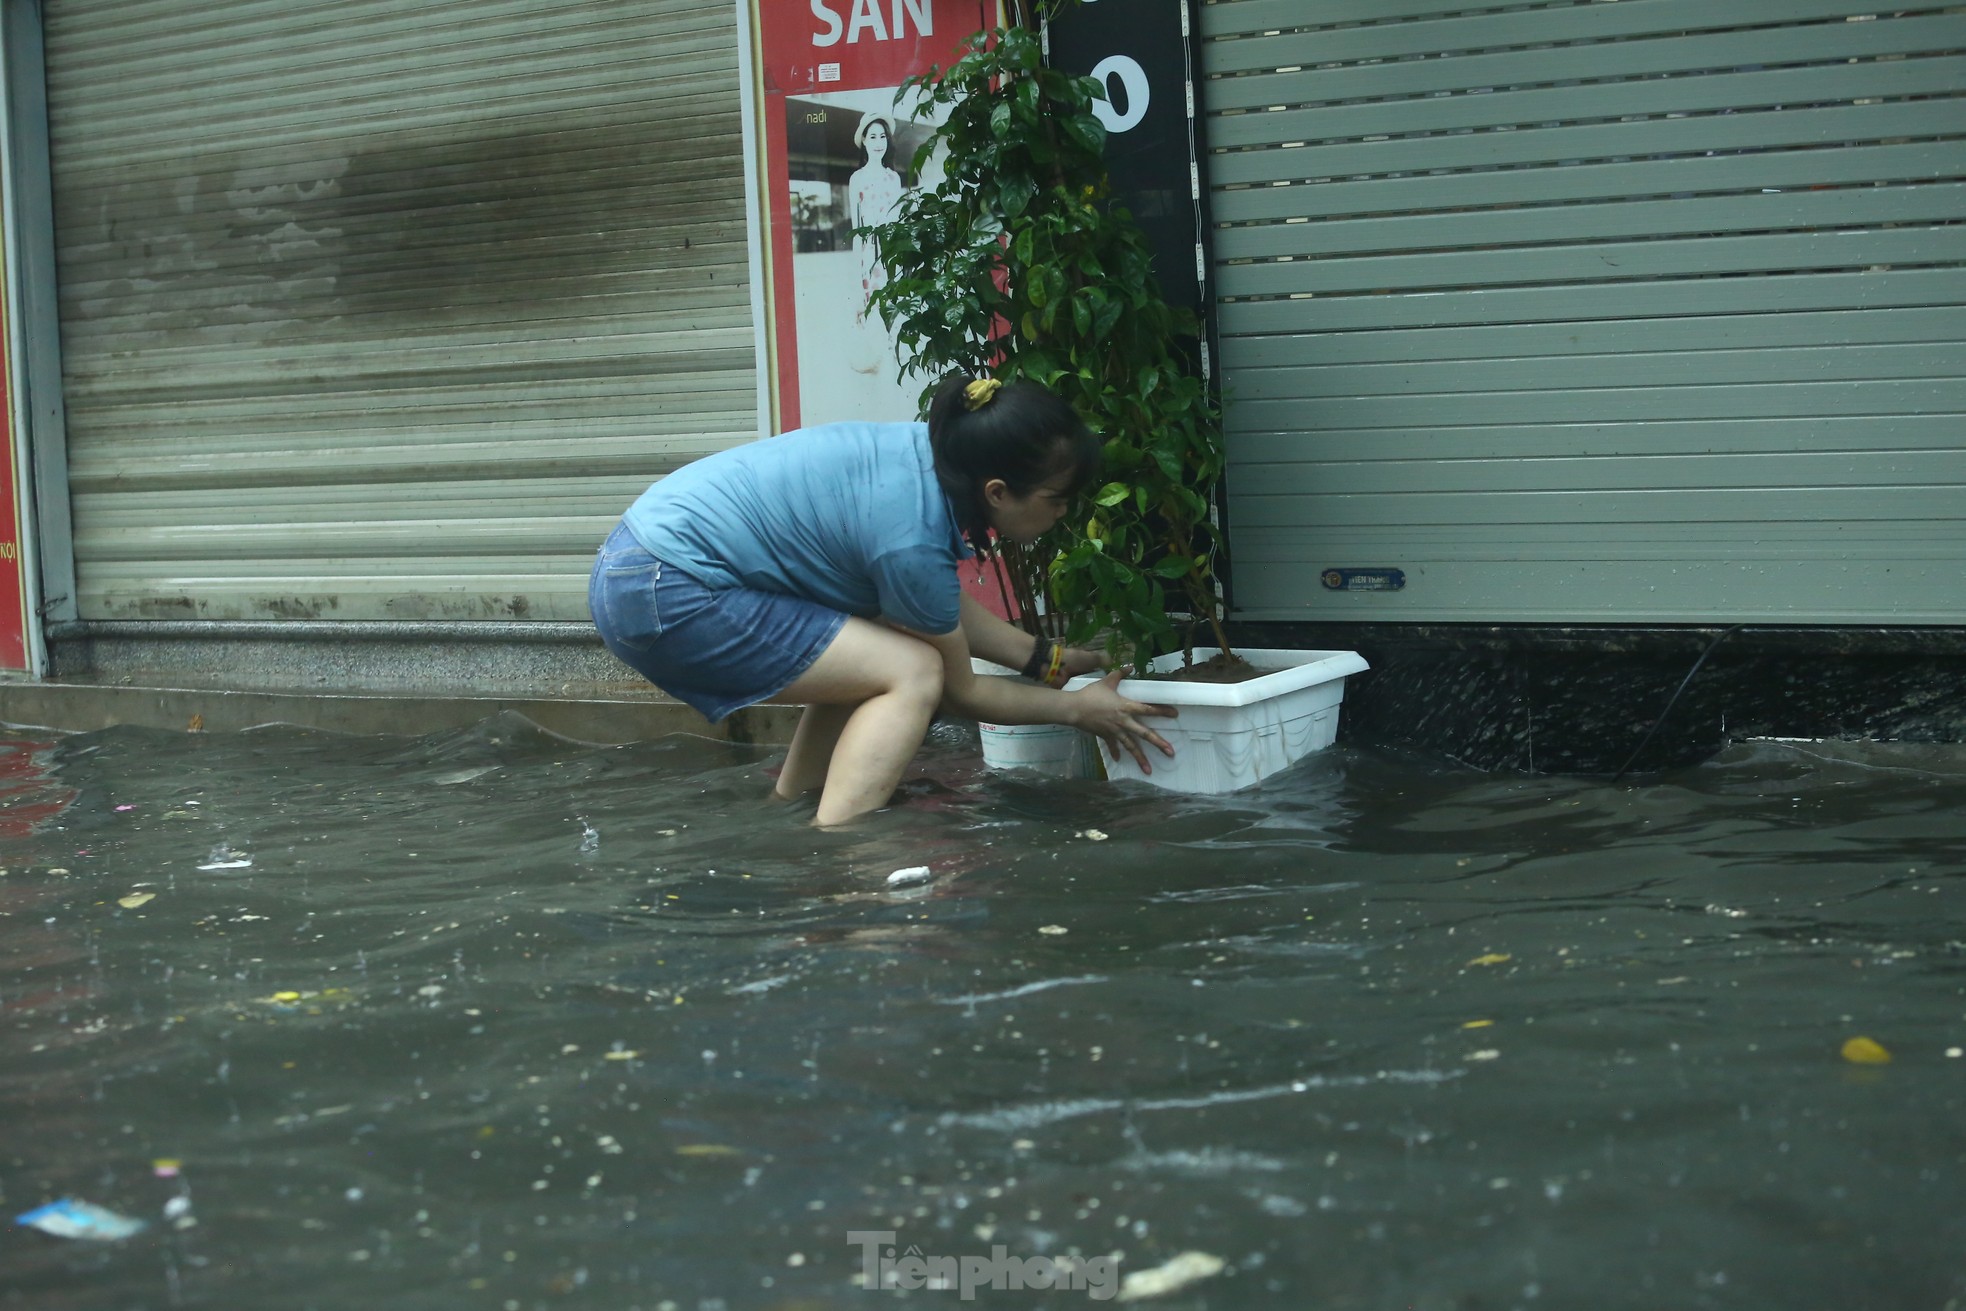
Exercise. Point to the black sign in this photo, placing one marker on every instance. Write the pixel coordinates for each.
(1141, 50)
(1363, 580)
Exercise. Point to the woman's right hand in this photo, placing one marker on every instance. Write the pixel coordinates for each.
(1100, 710)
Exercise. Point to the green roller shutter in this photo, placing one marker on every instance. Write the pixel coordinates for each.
(1593, 312)
(376, 310)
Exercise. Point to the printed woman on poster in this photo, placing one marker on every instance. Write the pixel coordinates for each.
(873, 198)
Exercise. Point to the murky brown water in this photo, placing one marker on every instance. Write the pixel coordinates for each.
(492, 1020)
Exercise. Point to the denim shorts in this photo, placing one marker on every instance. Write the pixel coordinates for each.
(716, 649)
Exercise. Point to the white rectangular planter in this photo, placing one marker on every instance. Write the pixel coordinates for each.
(1055, 749)
(1232, 735)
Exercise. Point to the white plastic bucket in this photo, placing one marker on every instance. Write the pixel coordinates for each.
(1048, 748)
(1054, 749)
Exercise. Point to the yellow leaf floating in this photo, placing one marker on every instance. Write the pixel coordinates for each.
(1477, 1024)
(135, 899)
(1865, 1051)
(1492, 958)
(706, 1149)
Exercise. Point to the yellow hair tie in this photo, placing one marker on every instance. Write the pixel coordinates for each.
(977, 393)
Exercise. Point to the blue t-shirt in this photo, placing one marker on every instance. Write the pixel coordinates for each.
(847, 514)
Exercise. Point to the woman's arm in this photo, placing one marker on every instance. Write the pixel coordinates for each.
(1004, 643)
(1099, 709)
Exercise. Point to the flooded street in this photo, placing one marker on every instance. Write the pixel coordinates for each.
(494, 1020)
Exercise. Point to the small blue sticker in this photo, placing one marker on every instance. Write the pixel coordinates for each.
(1363, 580)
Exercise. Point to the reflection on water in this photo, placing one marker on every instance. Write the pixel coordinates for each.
(488, 1019)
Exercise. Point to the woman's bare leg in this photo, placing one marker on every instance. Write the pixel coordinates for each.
(812, 750)
(888, 685)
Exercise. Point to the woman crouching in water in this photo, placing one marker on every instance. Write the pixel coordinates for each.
(819, 568)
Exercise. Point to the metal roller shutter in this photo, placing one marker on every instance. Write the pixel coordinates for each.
(381, 310)
(1647, 311)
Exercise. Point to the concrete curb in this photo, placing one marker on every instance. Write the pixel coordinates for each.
(85, 707)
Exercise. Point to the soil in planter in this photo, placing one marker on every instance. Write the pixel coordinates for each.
(1222, 667)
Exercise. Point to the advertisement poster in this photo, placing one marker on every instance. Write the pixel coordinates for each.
(831, 152)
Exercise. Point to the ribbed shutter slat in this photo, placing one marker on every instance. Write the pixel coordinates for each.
(378, 311)
(1588, 312)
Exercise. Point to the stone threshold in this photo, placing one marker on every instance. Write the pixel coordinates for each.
(583, 713)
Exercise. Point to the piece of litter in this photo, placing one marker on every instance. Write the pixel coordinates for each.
(69, 1218)
(910, 876)
(1492, 958)
(1170, 1277)
(1485, 1054)
(706, 1149)
(620, 1054)
(166, 1167)
(463, 775)
(123, 808)
(244, 862)
(177, 1206)
(1052, 930)
(135, 899)
(1092, 835)
(1477, 1024)
(1866, 1051)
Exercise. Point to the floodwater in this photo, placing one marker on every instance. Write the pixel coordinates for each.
(494, 1020)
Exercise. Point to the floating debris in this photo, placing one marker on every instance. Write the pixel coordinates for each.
(289, 999)
(1492, 958)
(1052, 930)
(224, 857)
(1170, 1277)
(1091, 835)
(69, 1218)
(909, 877)
(1866, 1051)
(136, 899)
(463, 775)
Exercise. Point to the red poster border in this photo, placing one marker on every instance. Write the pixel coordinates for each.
(14, 619)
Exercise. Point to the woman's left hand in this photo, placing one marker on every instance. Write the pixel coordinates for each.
(1100, 710)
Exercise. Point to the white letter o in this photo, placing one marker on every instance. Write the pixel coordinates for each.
(1133, 79)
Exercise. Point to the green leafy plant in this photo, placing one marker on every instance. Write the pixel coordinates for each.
(1018, 263)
